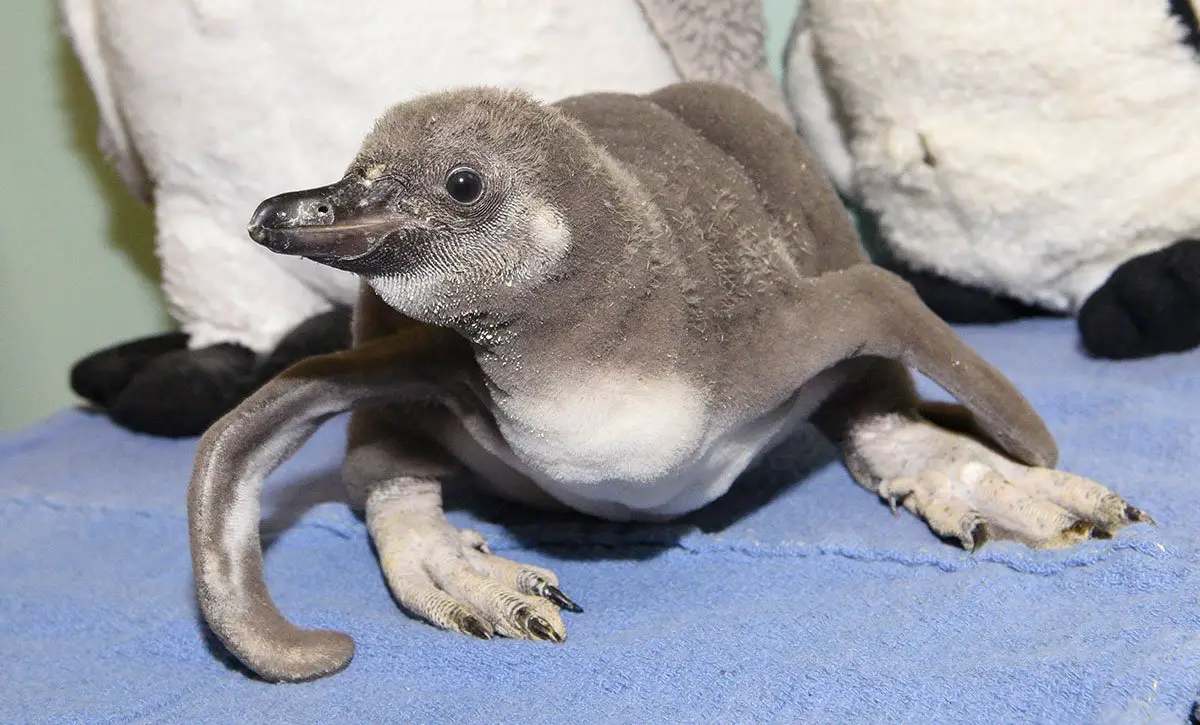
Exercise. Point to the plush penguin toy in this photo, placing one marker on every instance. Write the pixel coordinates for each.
(203, 114)
(1018, 156)
(612, 304)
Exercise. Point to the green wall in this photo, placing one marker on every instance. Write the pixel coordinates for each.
(779, 21)
(77, 265)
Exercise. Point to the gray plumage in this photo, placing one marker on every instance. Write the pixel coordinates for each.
(613, 303)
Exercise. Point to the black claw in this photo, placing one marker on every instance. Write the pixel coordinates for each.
(1081, 528)
(475, 627)
(541, 629)
(1099, 533)
(562, 601)
(979, 536)
(1134, 514)
(893, 503)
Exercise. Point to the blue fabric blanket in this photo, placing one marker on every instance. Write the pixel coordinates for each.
(796, 598)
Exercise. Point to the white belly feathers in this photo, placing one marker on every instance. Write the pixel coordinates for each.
(610, 426)
(621, 447)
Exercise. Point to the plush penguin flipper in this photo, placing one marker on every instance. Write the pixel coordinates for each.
(101, 376)
(880, 315)
(158, 386)
(957, 302)
(788, 179)
(722, 41)
(1146, 307)
(79, 20)
(242, 449)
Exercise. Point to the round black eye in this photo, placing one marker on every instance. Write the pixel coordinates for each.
(464, 186)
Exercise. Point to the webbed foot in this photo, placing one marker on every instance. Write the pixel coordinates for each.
(967, 492)
(449, 578)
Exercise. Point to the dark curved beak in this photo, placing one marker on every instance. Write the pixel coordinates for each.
(328, 224)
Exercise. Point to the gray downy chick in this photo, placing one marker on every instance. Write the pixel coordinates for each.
(614, 304)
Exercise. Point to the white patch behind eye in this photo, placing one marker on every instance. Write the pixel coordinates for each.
(551, 239)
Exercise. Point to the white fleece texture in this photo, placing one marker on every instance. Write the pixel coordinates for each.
(1025, 146)
(224, 103)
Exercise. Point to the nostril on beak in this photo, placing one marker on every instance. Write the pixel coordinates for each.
(283, 222)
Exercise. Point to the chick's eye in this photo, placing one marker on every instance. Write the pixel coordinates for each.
(464, 186)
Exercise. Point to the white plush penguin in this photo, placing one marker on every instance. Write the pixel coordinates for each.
(1019, 155)
(204, 113)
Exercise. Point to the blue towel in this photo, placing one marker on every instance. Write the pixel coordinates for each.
(796, 598)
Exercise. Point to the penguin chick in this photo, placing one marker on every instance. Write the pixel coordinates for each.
(615, 304)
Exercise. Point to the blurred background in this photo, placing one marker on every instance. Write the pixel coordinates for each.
(77, 264)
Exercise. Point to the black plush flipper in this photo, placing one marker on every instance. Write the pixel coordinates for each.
(181, 393)
(1149, 306)
(956, 302)
(100, 377)
(1185, 14)
(324, 333)
(157, 386)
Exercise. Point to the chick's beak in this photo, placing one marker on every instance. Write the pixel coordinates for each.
(328, 224)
